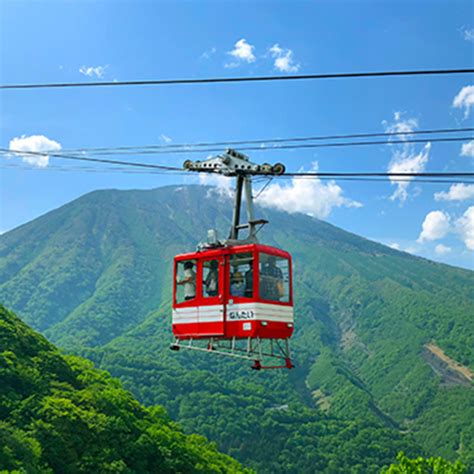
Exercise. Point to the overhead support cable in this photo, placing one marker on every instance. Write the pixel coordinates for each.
(223, 80)
(331, 176)
(289, 147)
(389, 180)
(113, 169)
(211, 171)
(378, 174)
(190, 146)
(93, 160)
(92, 169)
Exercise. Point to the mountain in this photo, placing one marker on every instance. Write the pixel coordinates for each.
(384, 341)
(59, 414)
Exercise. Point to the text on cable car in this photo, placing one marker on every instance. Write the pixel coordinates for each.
(242, 314)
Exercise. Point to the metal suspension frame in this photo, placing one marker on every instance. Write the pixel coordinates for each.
(235, 164)
(244, 186)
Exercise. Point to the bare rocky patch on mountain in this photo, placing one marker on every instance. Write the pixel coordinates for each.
(450, 371)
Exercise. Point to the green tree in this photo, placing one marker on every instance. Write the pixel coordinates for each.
(421, 465)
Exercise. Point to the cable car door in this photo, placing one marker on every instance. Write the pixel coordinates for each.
(211, 308)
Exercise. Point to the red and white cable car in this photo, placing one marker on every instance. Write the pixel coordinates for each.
(235, 297)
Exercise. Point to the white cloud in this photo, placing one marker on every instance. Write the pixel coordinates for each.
(435, 226)
(37, 144)
(402, 245)
(308, 196)
(164, 138)
(90, 71)
(468, 34)
(457, 192)
(209, 53)
(465, 227)
(243, 52)
(465, 100)
(283, 59)
(407, 162)
(467, 149)
(231, 65)
(438, 224)
(441, 249)
(222, 185)
(400, 125)
(405, 159)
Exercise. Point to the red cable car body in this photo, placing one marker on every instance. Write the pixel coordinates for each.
(252, 309)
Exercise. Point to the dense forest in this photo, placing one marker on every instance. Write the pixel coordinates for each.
(94, 277)
(60, 414)
(420, 465)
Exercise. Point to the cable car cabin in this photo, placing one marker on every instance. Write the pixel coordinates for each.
(233, 292)
(234, 297)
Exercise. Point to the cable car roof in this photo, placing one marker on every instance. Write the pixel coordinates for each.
(226, 250)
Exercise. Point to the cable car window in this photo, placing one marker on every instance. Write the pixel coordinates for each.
(185, 280)
(274, 278)
(241, 275)
(210, 278)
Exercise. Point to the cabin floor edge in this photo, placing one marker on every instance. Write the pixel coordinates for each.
(264, 353)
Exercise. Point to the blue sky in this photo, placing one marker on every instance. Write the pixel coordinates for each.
(132, 40)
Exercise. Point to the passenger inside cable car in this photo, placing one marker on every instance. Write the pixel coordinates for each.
(210, 278)
(242, 274)
(186, 281)
(232, 280)
(273, 276)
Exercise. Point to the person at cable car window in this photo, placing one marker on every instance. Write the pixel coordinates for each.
(189, 281)
(271, 281)
(237, 286)
(212, 279)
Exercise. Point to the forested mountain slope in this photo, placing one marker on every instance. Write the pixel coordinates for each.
(95, 277)
(59, 414)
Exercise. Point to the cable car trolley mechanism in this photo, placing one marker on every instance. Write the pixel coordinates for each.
(234, 297)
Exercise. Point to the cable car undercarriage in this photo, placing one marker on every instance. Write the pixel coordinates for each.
(254, 349)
